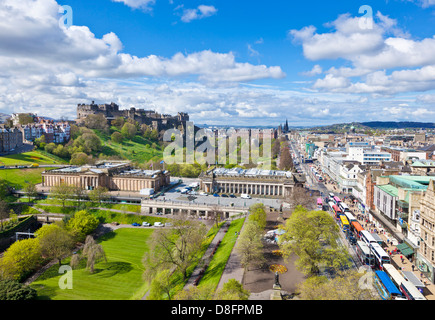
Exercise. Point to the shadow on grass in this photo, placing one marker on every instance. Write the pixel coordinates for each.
(110, 269)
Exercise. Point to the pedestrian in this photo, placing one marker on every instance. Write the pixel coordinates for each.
(412, 267)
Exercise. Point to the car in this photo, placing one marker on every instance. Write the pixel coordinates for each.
(203, 193)
(158, 224)
(159, 213)
(232, 196)
(215, 195)
(224, 196)
(135, 224)
(245, 196)
(146, 224)
(168, 224)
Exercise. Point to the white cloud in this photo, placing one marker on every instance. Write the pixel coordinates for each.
(138, 4)
(202, 11)
(317, 69)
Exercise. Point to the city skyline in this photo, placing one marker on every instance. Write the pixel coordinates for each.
(312, 63)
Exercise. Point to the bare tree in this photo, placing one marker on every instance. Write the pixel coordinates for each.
(216, 215)
(301, 196)
(94, 252)
(174, 248)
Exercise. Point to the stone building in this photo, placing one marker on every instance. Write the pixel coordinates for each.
(251, 181)
(10, 139)
(149, 117)
(116, 176)
(426, 252)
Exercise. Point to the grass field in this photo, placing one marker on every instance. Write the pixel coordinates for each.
(138, 149)
(27, 158)
(20, 177)
(217, 264)
(120, 278)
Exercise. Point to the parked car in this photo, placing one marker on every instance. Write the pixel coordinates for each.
(245, 196)
(146, 224)
(204, 193)
(159, 213)
(135, 224)
(168, 224)
(215, 195)
(232, 196)
(224, 195)
(158, 224)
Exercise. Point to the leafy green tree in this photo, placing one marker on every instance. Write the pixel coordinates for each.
(161, 286)
(56, 243)
(62, 192)
(232, 290)
(80, 158)
(20, 258)
(13, 290)
(257, 213)
(31, 190)
(128, 130)
(202, 292)
(82, 224)
(99, 194)
(116, 137)
(312, 236)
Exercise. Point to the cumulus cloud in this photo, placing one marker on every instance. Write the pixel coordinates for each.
(138, 4)
(202, 11)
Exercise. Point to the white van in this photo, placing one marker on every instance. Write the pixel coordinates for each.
(158, 224)
(245, 196)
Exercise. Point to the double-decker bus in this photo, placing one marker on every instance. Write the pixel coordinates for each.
(381, 257)
(349, 216)
(336, 211)
(337, 200)
(319, 203)
(344, 207)
(385, 286)
(410, 291)
(364, 254)
(367, 237)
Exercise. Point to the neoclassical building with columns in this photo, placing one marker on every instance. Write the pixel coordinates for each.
(254, 182)
(118, 176)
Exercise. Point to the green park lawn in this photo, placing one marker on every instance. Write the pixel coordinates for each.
(20, 177)
(217, 264)
(120, 278)
(27, 158)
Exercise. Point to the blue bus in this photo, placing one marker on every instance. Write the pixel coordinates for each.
(385, 286)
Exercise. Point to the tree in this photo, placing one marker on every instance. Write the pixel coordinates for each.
(257, 213)
(95, 121)
(128, 130)
(31, 190)
(4, 211)
(285, 158)
(116, 137)
(232, 290)
(175, 247)
(300, 196)
(202, 292)
(61, 192)
(82, 224)
(161, 285)
(13, 290)
(312, 236)
(99, 194)
(20, 258)
(80, 158)
(216, 214)
(250, 245)
(94, 252)
(56, 244)
(344, 286)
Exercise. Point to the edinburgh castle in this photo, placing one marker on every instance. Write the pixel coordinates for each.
(149, 117)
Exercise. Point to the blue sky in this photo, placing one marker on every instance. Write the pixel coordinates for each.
(223, 62)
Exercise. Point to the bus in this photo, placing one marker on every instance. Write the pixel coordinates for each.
(381, 257)
(344, 223)
(367, 237)
(385, 286)
(364, 254)
(319, 203)
(410, 291)
(394, 274)
(356, 228)
(336, 211)
(349, 216)
(344, 207)
(337, 200)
